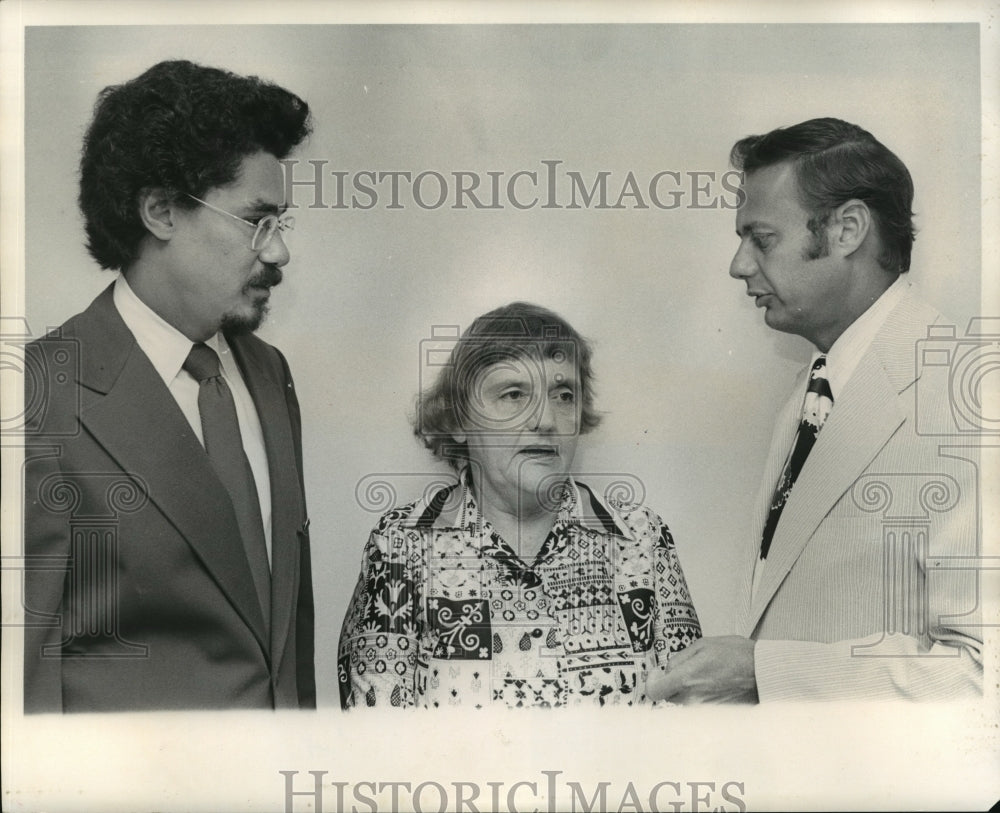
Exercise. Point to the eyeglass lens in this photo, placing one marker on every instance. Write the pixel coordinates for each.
(266, 229)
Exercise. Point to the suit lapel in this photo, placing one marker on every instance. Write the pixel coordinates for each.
(784, 435)
(861, 422)
(139, 424)
(864, 417)
(286, 510)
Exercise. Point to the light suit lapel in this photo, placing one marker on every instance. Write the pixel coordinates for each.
(861, 422)
(864, 417)
(784, 435)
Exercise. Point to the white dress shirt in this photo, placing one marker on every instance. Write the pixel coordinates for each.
(167, 348)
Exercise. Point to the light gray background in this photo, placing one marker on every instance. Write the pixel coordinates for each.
(687, 372)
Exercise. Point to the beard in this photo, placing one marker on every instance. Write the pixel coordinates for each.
(235, 324)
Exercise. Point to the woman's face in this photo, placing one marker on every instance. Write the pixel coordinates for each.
(522, 427)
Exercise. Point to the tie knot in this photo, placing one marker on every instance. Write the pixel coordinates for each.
(818, 382)
(202, 362)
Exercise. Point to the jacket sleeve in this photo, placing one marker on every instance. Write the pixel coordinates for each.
(933, 653)
(46, 532)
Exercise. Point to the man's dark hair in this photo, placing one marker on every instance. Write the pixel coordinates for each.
(180, 127)
(834, 162)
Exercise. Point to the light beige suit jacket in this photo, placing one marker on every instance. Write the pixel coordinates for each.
(869, 590)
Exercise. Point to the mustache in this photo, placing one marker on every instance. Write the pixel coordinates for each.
(269, 276)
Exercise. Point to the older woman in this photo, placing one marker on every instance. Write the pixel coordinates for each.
(519, 585)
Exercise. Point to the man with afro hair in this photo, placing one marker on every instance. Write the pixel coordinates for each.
(166, 534)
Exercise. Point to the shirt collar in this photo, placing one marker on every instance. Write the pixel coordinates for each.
(454, 508)
(166, 347)
(851, 345)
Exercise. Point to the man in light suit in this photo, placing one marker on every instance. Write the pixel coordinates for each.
(853, 586)
(167, 552)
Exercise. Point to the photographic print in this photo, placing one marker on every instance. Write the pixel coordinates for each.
(475, 407)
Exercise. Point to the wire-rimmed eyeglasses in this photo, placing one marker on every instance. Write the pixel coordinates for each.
(264, 229)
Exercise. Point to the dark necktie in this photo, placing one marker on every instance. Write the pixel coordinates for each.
(815, 408)
(221, 431)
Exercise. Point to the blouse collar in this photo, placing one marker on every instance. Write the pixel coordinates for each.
(454, 507)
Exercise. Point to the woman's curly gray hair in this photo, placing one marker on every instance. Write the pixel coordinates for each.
(513, 331)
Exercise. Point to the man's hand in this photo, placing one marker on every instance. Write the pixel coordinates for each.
(711, 670)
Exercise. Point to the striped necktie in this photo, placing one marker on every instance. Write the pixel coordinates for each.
(815, 409)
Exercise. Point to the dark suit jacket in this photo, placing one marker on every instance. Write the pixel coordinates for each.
(138, 592)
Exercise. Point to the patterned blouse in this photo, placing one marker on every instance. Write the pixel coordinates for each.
(445, 611)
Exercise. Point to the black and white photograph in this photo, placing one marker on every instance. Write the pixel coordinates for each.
(499, 407)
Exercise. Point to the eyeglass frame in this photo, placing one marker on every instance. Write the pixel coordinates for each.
(281, 224)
